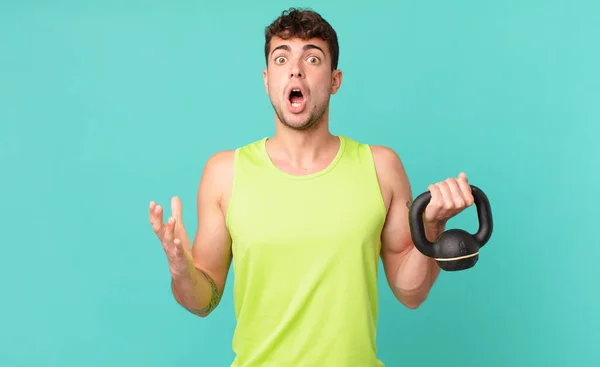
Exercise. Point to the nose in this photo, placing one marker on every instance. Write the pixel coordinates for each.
(296, 70)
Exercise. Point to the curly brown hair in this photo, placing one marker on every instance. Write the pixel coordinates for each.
(304, 24)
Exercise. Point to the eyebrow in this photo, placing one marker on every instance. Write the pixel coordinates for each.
(305, 48)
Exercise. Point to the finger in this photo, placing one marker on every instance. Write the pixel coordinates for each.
(156, 218)
(177, 247)
(151, 210)
(467, 192)
(436, 203)
(463, 176)
(176, 208)
(152, 205)
(170, 232)
(456, 192)
(446, 195)
(179, 251)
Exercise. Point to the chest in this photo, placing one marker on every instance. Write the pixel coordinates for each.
(305, 214)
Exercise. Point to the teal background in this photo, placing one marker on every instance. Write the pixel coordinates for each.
(106, 105)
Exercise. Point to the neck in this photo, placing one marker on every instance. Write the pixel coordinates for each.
(303, 147)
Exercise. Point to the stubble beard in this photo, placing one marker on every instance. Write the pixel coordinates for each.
(311, 122)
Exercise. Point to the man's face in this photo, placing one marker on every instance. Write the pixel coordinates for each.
(299, 81)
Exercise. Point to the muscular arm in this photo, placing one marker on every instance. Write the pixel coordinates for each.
(199, 291)
(409, 273)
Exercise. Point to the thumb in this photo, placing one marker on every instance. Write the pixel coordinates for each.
(176, 209)
(462, 175)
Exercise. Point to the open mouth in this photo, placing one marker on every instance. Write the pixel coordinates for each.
(296, 97)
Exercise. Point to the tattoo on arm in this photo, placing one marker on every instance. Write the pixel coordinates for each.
(214, 298)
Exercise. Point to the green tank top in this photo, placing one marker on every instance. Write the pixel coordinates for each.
(305, 256)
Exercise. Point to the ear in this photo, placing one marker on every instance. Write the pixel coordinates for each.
(266, 80)
(336, 81)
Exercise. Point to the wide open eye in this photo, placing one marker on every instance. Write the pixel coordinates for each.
(313, 60)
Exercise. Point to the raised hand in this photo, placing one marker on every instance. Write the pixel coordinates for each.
(448, 198)
(172, 236)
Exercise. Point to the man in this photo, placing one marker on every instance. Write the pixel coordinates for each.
(304, 216)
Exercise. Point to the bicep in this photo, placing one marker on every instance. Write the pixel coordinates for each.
(395, 237)
(211, 249)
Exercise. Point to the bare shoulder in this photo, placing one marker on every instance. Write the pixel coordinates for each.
(386, 157)
(217, 177)
(391, 174)
(220, 163)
